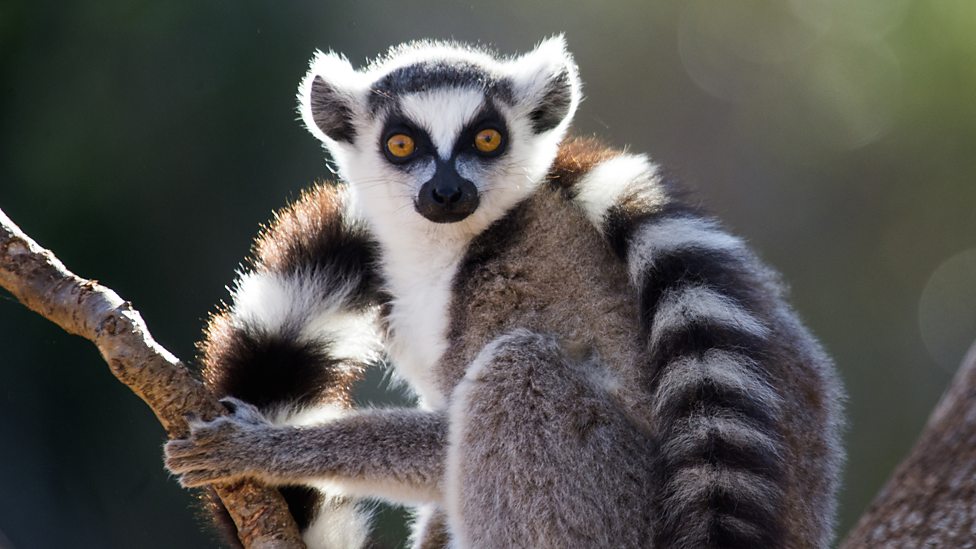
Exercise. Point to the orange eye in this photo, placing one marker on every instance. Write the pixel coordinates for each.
(400, 145)
(487, 140)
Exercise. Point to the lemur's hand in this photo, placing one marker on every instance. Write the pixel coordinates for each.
(219, 450)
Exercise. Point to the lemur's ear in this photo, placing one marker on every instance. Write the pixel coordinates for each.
(330, 97)
(547, 80)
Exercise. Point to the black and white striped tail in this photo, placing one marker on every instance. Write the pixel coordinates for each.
(704, 318)
(301, 327)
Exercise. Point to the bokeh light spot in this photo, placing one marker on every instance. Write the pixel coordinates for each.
(947, 309)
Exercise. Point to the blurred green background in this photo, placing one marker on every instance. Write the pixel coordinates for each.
(145, 141)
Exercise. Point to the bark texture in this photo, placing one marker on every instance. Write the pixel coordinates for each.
(930, 501)
(86, 308)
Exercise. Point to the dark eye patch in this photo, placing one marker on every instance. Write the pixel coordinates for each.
(398, 124)
(488, 118)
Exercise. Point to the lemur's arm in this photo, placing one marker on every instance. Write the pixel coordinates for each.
(709, 320)
(393, 453)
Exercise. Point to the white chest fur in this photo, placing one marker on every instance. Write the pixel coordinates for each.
(420, 283)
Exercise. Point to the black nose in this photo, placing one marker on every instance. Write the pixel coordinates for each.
(446, 194)
(447, 199)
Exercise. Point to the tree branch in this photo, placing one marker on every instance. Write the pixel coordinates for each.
(86, 308)
(930, 501)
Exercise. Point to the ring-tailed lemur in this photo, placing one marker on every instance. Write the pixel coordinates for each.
(598, 363)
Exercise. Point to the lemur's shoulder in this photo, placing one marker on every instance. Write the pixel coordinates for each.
(576, 157)
(617, 190)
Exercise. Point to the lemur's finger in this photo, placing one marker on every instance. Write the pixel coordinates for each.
(182, 465)
(179, 447)
(202, 477)
(204, 435)
(182, 449)
(214, 431)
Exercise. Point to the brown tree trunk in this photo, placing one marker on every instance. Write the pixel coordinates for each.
(88, 309)
(930, 501)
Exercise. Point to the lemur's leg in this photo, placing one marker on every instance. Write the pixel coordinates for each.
(540, 454)
(396, 454)
(299, 330)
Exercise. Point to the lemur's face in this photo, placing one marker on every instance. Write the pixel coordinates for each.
(438, 134)
(446, 148)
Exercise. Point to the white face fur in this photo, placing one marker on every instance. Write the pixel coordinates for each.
(440, 96)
